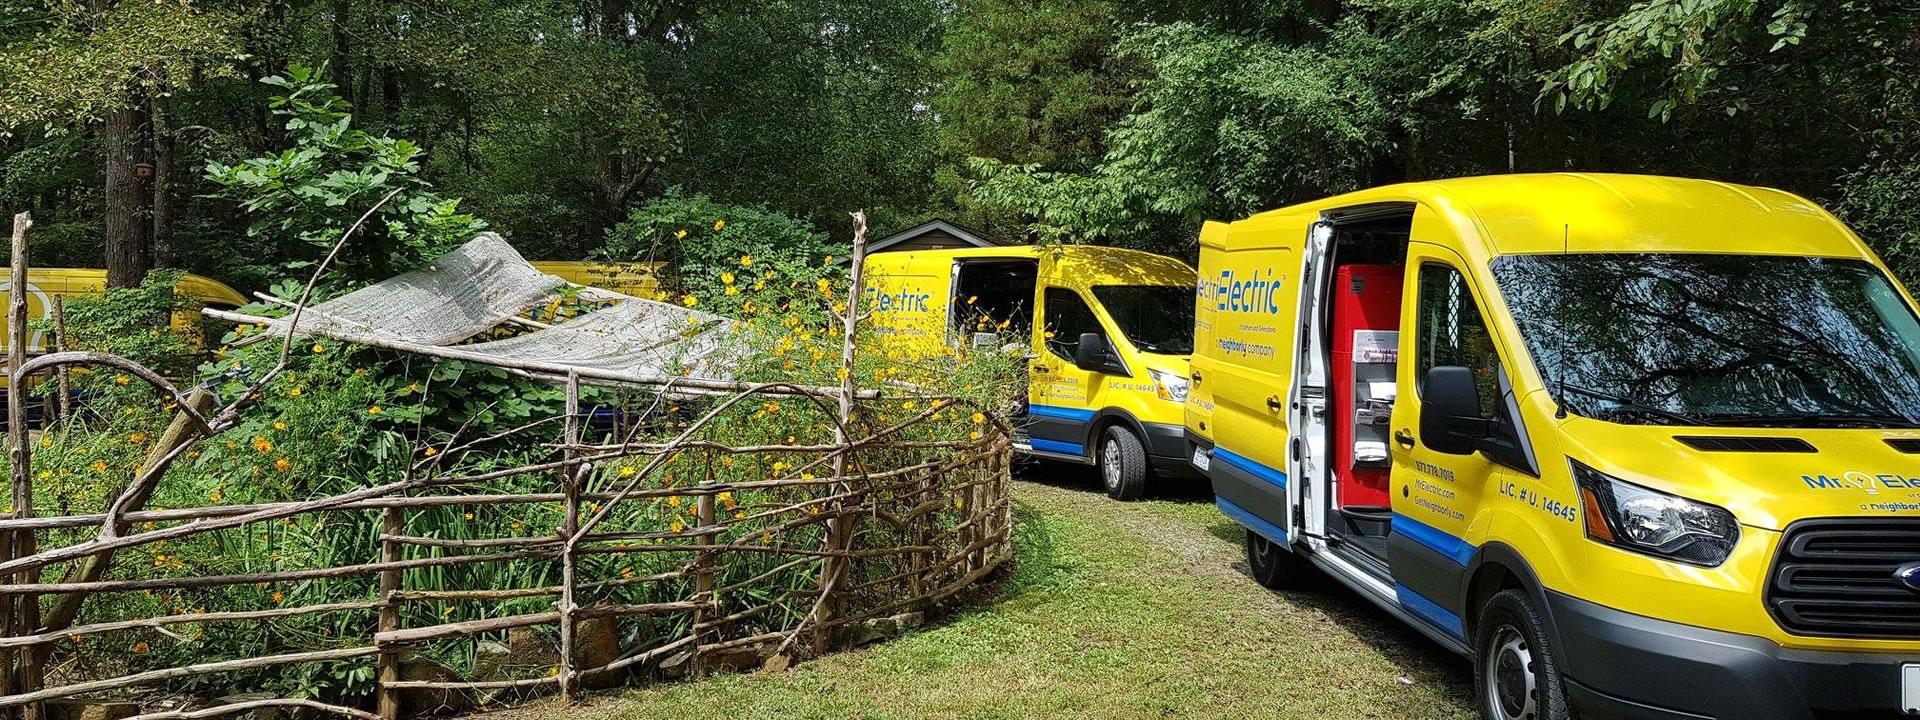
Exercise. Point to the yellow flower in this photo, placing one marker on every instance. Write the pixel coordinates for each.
(279, 597)
(732, 290)
(979, 418)
(828, 261)
(318, 348)
(294, 392)
(739, 516)
(137, 438)
(262, 445)
(430, 452)
(806, 476)
(673, 501)
(746, 261)
(975, 435)
(719, 225)
(46, 441)
(628, 471)
(280, 425)
(375, 410)
(99, 466)
(677, 526)
(468, 516)
(972, 298)
(215, 496)
(689, 300)
(680, 234)
(121, 379)
(626, 572)
(139, 647)
(282, 464)
(907, 405)
(726, 277)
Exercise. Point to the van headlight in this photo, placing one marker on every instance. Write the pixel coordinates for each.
(1645, 520)
(1168, 385)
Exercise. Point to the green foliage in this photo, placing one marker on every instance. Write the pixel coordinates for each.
(130, 322)
(77, 64)
(314, 191)
(702, 239)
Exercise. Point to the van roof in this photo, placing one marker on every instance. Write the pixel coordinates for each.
(94, 280)
(1080, 264)
(1599, 212)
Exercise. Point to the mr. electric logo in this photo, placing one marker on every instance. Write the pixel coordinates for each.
(909, 300)
(1254, 292)
(1857, 481)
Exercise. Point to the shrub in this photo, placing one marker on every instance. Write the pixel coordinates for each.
(702, 239)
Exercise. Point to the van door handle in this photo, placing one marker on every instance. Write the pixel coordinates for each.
(1403, 437)
(1273, 403)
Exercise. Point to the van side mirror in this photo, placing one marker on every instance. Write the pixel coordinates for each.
(1450, 419)
(1094, 355)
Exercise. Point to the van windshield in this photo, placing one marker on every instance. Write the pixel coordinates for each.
(1155, 318)
(1738, 340)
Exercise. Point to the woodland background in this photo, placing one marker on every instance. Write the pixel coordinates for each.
(201, 133)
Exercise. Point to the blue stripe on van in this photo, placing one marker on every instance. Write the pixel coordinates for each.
(1429, 610)
(1435, 539)
(1252, 522)
(1057, 447)
(1061, 413)
(1250, 467)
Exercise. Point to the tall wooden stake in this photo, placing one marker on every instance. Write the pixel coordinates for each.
(63, 403)
(839, 527)
(393, 525)
(24, 610)
(569, 527)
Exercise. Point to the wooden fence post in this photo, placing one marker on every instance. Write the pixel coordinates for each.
(703, 580)
(573, 477)
(26, 606)
(393, 525)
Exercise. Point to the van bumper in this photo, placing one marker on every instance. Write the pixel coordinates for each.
(1632, 667)
(1167, 451)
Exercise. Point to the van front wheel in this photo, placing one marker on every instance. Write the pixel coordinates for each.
(1515, 674)
(1123, 464)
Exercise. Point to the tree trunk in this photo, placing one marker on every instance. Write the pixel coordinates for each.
(162, 175)
(129, 190)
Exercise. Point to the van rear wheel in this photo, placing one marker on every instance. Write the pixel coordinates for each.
(1515, 673)
(1123, 464)
(1272, 564)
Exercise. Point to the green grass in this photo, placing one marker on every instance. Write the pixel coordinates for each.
(1114, 611)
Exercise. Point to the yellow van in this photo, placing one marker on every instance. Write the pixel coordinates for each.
(1107, 356)
(44, 284)
(638, 279)
(1659, 455)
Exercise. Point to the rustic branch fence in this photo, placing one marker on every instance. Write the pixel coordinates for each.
(884, 522)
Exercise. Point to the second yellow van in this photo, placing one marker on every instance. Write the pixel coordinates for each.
(1106, 332)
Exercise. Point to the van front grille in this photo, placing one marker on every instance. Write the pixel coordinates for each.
(1835, 578)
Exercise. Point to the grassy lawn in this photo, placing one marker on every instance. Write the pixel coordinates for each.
(1114, 611)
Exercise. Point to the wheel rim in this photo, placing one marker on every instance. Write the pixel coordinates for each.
(1110, 464)
(1512, 687)
(1259, 551)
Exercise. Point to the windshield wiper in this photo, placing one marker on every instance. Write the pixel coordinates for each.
(1830, 420)
(1629, 404)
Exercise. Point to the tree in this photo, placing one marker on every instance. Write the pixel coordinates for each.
(74, 69)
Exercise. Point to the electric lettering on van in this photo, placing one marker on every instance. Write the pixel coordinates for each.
(1856, 480)
(1251, 294)
(907, 300)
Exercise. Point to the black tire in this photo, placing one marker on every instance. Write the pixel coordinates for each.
(1515, 673)
(1122, 461)
(1273, 565)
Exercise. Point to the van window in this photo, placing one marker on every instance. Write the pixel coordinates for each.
(1452, 333)
(1155, 318)
(1737, 340)
(1067, 317)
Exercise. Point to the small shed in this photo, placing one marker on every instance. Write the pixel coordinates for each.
(935, 234)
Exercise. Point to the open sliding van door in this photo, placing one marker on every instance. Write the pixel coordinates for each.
(1251, 287)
